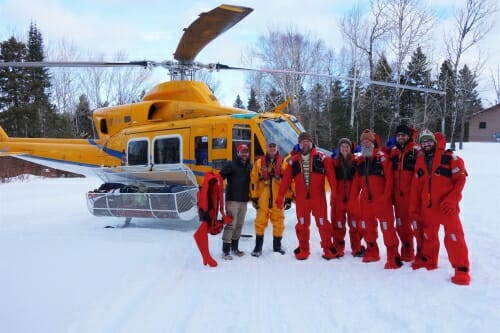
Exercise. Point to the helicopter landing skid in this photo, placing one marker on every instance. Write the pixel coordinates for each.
(125, 224)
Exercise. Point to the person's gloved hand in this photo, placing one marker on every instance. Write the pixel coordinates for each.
(255, 203)
(288, 204)
(448, 207)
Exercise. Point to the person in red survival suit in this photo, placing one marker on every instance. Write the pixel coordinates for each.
(436, 192)
(308, 170)
(372, 186)
(345, 168)
(403, 156)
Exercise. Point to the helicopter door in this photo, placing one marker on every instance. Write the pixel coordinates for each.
(242, 134)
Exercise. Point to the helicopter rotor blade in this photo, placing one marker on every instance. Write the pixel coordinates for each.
(206, 28)
(35, 64)
(218, 67)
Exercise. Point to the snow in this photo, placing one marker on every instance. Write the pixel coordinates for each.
(62, 271)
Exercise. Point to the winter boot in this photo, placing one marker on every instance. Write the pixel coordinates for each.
(277, 245)
(257, 251)
(372, 253)
(225, 251)
(201, 239)
(360, 253)
(423, 262)
(339, 247)
(393, 259)
(234, 248)
(303, 233)
(461, 276)
(407, 252)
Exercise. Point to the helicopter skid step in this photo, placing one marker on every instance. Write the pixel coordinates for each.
(179, 205)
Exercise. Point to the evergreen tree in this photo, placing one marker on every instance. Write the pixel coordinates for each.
(238, 103)
(253, 105)
(446, 82)
(334, 122)
(468, 101)
(13, 89)
(42, 113)
(82, 123)
(382, 98)
(413, 107)
(273, 99)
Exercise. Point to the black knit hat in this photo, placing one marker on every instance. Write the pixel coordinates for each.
(403, 129)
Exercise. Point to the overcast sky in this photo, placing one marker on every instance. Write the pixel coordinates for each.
(151, 29)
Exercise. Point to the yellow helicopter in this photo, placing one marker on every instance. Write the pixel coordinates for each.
(152, 155)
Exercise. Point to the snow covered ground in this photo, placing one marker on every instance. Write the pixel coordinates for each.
(62, 271)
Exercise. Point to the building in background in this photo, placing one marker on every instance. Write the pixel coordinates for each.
(484, 126)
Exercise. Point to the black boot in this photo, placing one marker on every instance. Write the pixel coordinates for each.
(277, 245)
(225, 251)
(234, 248)
(259, 240)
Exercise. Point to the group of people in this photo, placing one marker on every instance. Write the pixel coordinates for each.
(406, 191)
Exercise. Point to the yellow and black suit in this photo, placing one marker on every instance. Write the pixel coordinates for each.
(265, 181)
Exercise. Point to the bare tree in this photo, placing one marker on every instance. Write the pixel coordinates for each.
(410, 21)
(472, 23)
(495, 79)
(288, 50)
(363, 34)
(64, 87)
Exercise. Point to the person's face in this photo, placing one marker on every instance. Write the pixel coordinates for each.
(428, 146)
(305, 146)
(344, 149)
(272, 150)
(402, 138)
(367, 148)
(244, 154)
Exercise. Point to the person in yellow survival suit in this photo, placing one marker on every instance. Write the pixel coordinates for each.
(265, 181)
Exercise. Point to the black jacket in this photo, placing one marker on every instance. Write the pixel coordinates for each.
(238, 180)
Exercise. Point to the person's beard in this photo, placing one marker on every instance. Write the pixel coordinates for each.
(305, 150)
(367, 151)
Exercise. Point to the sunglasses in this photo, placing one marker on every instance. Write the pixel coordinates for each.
(272, 145)
(426, 143)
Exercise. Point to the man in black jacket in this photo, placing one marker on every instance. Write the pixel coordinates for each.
(237, 173)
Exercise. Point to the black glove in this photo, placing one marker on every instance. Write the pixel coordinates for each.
(255, 203)
(288, 204)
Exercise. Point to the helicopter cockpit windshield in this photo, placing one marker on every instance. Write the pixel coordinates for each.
(279, 131)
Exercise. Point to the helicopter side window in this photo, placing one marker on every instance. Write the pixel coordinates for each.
(241, 135)
(219, 143)
(201, 150)
(104, 126)
(138, 152)
(167, 150)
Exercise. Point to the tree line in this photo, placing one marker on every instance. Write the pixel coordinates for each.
(387, 43)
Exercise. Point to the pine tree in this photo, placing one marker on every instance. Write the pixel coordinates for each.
(82, 123)
(446, 82)
(13, 89)
(253, 105)
(238, 103)
(334, 122)
(468, 101)
(413, 108)
(41, 112)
